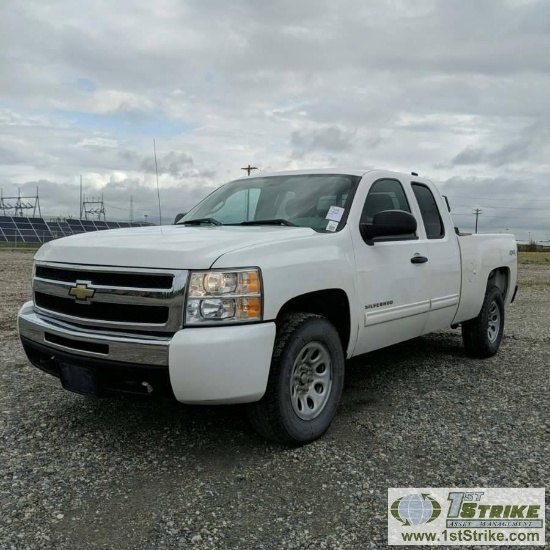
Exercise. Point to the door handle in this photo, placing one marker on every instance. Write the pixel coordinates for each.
(419, 260)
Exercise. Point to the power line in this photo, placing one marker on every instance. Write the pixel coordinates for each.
(503, 217)
(494, 198)
(116, 207)
(509, 207)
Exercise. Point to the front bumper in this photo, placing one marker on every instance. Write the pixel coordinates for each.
(205, 365)
(98, 377)
(82, 342)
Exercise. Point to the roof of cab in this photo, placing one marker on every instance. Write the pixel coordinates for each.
(338, 171)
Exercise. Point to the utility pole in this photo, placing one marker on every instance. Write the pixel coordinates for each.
(477, 211)
(249, 169)
(81, 204)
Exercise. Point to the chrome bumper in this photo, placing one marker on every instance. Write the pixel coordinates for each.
(122, 348)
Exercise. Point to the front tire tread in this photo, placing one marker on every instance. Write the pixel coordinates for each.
(265, 415)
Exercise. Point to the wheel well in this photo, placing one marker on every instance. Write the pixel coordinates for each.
(499, 277)
(331, 303)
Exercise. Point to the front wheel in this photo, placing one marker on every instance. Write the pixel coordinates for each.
(305, 381)
(482, 335)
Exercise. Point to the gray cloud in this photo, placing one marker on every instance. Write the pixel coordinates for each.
(531, 142)
(175, 164)
(456, 88)
(331, 139)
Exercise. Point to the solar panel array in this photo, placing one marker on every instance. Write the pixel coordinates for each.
(37, 230)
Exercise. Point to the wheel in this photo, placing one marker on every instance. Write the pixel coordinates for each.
(482, 335)
(305, 381)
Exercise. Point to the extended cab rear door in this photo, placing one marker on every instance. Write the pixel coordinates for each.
(437, 231)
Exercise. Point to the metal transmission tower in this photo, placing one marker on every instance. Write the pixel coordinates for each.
(20, 205)
(94, 207)
(477, 211)
(249, 169)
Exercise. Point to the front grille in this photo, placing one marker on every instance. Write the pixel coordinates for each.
(100, 278)
(103, 311)
(121, 299)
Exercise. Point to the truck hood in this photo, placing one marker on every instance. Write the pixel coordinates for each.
(168, 247)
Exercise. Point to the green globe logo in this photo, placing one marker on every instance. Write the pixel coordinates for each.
(415, 509)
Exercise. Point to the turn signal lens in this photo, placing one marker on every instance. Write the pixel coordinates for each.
(249, 283)
(248, 308)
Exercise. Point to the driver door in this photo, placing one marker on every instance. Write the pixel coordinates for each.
(394, 291)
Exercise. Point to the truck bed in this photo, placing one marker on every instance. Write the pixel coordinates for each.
(481, 254)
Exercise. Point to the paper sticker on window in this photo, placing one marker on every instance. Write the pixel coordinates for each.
(332, 225)
(335, 213)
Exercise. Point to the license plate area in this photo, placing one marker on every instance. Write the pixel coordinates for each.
(79, 379)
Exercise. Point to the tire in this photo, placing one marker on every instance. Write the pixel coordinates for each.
(482, 335)
(307, 354)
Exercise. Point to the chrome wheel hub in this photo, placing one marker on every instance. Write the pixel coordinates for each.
(311, 381)
(493, 327)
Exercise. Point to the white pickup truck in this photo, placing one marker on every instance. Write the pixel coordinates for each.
(261, 292)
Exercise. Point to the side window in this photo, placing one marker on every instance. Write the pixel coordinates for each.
(384, 195)
(430, 212)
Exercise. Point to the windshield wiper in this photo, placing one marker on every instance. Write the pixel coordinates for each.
(275, 221)
(199, 221)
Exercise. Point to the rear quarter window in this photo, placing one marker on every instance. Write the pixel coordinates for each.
(430, 212)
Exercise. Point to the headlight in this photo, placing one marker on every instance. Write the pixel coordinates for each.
(224, 296)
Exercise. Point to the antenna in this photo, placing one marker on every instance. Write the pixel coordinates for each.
(131, 208)
(157, 173)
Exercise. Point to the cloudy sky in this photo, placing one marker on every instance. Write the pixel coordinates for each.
(458, 90)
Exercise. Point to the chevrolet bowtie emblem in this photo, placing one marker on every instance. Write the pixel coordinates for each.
(81, 292)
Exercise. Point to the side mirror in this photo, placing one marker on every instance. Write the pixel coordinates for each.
(389, 223)
(179, 217)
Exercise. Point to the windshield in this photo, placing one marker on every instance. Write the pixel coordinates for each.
(302, 200)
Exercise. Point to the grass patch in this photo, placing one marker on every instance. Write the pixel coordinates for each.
(21, 247)
(534, 258)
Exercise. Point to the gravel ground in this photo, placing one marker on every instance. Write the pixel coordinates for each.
(78, 473)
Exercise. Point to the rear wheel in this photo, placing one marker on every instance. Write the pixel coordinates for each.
(482, 335)
(305, 382)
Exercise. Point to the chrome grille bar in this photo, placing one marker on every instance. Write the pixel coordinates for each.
(110, 306)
